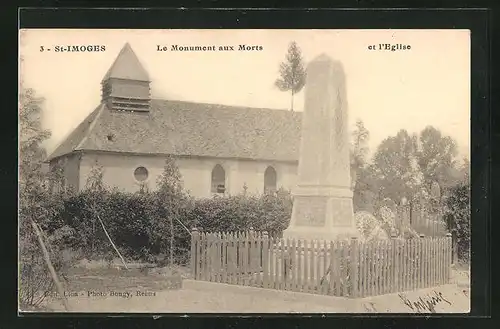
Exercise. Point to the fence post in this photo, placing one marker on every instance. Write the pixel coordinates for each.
(354, 267)
(265, 260)
(454, 248)
(194, 256)
(251, 255)
(421, 272)
(395, 259)
(449, 256)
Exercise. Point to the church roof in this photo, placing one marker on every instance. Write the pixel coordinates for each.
(190, 129)
(127, 66)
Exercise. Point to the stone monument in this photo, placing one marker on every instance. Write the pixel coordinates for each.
(322, 206)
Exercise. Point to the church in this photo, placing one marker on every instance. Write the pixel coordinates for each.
(219, 149)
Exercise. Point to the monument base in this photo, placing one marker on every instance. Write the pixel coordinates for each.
(320, 233)
(322, 213)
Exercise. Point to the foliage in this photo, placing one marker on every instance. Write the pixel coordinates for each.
(126, 217)
(414, 171)
(362, 183)
(464, 170)
(292, 72)
(360, 138)
(95, 179)
(142, 225)
(436, 156)
(36, 204)
(457, 215)
(396, 168)
(369, 227)
(267, 212)
(173, 205)
(31, 136)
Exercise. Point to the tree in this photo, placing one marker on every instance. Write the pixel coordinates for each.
(457, 215)
(171, 193)
(396, 168)
(436, 158)
(31, 137)
(37, 206)
(362, 183)
(170, 181)
(292, 72)
(32, 191)
(360, 138)
(95, 181)
(95, 191)
(465, 170)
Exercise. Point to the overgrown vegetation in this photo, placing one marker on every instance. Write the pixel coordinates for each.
(36, 205)
(147, 226)
(457, 215)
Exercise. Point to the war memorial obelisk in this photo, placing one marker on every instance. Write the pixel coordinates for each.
(322, 206)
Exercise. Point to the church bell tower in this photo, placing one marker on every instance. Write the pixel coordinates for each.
(126, 85)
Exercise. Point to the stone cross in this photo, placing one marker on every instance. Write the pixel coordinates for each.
(322, 208)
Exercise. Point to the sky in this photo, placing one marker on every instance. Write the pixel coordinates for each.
(389, 90)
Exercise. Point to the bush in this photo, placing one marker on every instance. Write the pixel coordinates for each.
(140, 225)
(35, 283)
(457, 215)
(129, 219)
(268, 212)
(34, 278)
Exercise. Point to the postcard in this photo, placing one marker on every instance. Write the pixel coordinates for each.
(244, 171)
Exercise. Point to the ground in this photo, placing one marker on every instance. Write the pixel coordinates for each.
(160, 290)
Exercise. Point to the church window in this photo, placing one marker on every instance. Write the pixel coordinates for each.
(218, 179)
(270, 180)
(141, 174)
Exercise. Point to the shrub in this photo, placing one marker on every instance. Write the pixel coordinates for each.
(457, 215)
(131, 221)
(268, 212)
(148, 225)
(35, 282)
(139, 223)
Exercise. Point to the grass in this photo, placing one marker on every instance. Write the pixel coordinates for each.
(112, 278)
(98, 274)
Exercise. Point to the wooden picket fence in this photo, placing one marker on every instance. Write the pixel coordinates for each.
(340, 268)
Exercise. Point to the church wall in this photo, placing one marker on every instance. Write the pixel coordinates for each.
(70, 166)
(251, 174)
(71, 171)
(196, 172)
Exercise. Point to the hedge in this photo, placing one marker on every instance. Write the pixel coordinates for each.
(139, 223)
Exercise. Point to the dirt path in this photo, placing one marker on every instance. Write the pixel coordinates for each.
(156, 298)
(193, 301)
(199, 301)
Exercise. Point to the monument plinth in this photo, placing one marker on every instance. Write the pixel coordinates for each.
(322, 206)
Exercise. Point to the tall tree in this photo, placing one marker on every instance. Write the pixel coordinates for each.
(37, 206)
(396, 167)
(362, 183)
(465, 170)
(436, 158)
(457, 215)
(292, 72)
(31, 137)
(170, 192)
(360, 138)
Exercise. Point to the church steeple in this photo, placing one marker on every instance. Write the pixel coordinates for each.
(125, 87)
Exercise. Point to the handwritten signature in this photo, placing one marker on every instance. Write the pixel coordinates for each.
(426, 304)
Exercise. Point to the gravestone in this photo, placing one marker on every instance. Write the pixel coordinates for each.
(322, 207)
